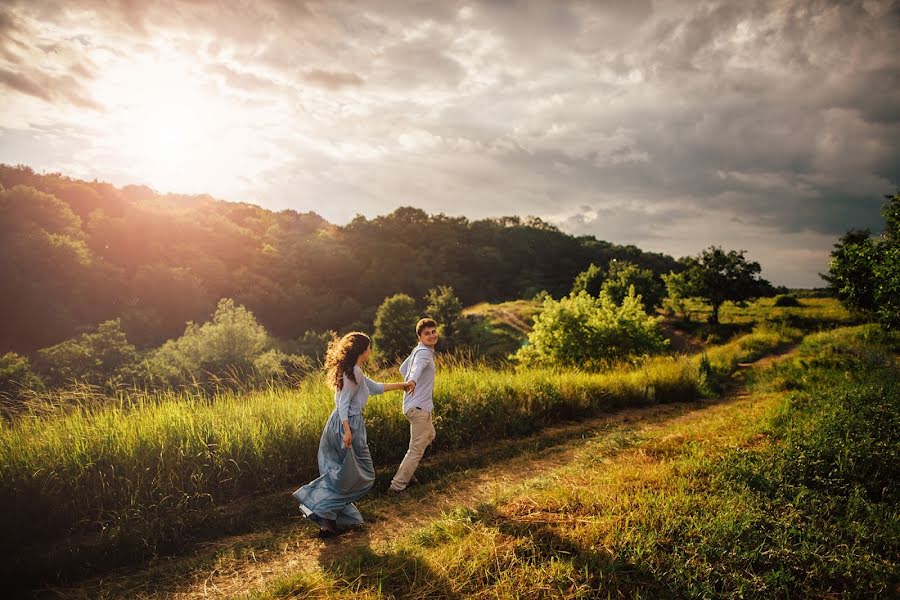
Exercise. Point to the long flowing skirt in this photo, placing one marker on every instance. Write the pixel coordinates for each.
(345, 474)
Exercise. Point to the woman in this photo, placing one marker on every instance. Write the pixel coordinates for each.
(345, 464)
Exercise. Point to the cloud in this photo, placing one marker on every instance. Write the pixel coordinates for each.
(658, 123)
(332, 80)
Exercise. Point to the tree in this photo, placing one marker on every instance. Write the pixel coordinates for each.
(226, 346)
(585, 332)
(718, 276)
(442, 305)
(623, 275)
(864, 271)
(16, 375)
(590, 280)
(395, 327)
(678, 290)
(103, 358)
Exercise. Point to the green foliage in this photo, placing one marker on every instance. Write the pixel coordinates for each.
(442, 305)
(783, 300)
(678, 291)
(46, 270)
(718, 276)
(230, 346)
(16, 375)
(590, 280)
(591, 333)
(623, 275)
(104, 358)
(864, 271)
(77, 253)
(314, 345)
(395, 327)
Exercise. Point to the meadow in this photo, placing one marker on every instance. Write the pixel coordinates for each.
(789, 491)
(104, 483)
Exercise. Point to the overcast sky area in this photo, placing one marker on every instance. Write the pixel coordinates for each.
(772, 127)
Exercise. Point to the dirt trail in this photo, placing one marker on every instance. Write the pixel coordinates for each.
(239, 565)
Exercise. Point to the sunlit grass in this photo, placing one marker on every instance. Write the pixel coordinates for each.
(775, 495)
(140, 474)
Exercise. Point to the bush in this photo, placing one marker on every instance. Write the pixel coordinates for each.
(228, 347)
(786, 300)
(590, 333)
(104, 358)
(16, 375)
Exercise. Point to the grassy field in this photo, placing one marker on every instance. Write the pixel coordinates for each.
(790, 491)
(86, 487)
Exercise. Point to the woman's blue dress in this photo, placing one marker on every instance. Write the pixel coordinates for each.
(345, 474)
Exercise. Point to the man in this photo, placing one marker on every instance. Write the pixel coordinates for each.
(418, 368)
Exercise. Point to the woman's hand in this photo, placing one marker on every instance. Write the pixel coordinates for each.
(410, 386)
(348, 439)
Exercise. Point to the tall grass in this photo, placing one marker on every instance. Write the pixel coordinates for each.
(737, 501)
(130, 478)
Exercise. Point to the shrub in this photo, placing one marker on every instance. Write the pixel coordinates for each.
(228, 346)
(16, 375)
(786, 300)
(590, 333)
(104, 358)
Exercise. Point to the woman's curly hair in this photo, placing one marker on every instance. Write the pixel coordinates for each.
(341, 357)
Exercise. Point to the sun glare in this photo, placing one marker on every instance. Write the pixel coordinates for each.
(161, 120)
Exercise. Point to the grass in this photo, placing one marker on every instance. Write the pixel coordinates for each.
(790, 492)
(93, 485)
(126, 482)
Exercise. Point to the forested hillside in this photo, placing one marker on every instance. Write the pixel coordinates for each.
(76, 253)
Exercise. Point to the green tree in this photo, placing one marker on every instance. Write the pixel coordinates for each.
(718, 276)
(225, 347)
(442, 305)
(16, 375)
(395, 327)
(104, 358)
(864, 271)
(590, 280)
(590, 333)
(622, 275)
(678, 291)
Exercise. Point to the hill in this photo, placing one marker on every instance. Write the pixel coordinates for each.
(77, 253)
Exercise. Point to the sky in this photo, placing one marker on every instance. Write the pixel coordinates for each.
(771, 127)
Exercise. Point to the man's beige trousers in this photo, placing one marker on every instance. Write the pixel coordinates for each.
(421, 433)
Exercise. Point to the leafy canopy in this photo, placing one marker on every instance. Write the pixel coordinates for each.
(717, 276)
(395, 327)
(590, 333)
(864, 271)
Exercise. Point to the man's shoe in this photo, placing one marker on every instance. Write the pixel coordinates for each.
(393, 492)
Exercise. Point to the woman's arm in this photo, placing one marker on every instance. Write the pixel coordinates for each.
(376, 388)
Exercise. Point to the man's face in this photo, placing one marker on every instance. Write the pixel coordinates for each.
(429, 336)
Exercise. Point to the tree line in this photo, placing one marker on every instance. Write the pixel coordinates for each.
(75, 254)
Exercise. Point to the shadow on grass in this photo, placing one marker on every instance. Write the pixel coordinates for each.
(399, 574)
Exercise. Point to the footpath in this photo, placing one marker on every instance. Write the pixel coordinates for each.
(251, 563)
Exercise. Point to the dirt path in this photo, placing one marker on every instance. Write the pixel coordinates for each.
(240, 565)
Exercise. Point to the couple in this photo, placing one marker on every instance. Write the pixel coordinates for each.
(345, 464)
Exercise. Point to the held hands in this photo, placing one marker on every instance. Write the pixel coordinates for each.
(409, 387)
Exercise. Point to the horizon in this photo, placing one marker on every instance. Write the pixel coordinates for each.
(770, 127)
